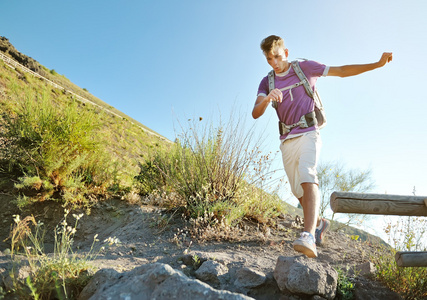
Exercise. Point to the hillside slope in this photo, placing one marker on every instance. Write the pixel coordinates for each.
(7, 50)
(126, 140)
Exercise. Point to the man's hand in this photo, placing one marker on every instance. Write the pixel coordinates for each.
(385, 58)
(275, 95)
(262, 102)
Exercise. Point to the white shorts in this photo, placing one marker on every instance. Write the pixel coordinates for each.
(300, 156)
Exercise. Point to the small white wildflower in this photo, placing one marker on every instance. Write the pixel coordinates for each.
(112, 241)
(77, 217)
(71, 230)
(16, 218)
(95, 238)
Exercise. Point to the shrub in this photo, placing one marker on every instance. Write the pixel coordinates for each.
(410, 283)
(214, 171)
(345, 286)
(405, 235)
(56, 145)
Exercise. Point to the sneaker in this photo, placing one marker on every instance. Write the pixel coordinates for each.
(324, 226)
(306, 244)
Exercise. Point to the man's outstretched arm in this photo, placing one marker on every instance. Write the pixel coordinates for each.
(352, 70)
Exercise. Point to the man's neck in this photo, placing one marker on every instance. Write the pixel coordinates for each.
(285, 70)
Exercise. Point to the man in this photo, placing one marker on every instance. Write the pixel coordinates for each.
(300, 146)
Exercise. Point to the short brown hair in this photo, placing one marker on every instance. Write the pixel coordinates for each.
(270, 42)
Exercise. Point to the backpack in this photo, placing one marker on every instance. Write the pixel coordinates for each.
(319, 111)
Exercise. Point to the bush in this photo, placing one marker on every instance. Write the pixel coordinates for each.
(345, 286)
(214, 171)
(405, 235)
(410, 283)
(53, 149)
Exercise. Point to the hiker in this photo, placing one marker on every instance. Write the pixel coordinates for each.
(299, 129)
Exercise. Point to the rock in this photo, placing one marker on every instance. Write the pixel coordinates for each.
(211, 272)
(152, 281)
(305, 276)
(22, 271)
(365, 269)
(98, 282)
(194, 260)
(372, 290)
(249, 278)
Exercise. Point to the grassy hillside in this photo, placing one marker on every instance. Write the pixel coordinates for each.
(123, 142)
(9, 50)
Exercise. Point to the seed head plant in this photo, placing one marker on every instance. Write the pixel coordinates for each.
(63, 273)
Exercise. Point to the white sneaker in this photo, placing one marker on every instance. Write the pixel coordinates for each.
(306, 244)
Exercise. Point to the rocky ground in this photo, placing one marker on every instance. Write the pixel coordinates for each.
(148, 235)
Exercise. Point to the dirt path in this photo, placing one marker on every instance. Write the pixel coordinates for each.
(149, 234)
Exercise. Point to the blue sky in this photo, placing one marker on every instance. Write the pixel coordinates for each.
(166, 61)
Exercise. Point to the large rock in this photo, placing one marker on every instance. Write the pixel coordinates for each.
(151, 281)
(249, 278)
(211, 272)
(300, 275)
(372, 290)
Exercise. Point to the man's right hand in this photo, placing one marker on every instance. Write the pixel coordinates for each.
(262, 102)
(275, 95)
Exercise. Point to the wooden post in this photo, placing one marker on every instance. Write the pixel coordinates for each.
(411, 259)
(378, 204)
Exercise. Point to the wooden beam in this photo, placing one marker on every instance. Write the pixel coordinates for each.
(378, 204)
(411, 259)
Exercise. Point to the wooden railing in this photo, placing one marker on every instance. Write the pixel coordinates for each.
(11, 62)
(383, 204)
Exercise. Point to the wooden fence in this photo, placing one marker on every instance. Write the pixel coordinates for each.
(383, 204)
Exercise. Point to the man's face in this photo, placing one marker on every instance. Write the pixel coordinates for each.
(278, 59)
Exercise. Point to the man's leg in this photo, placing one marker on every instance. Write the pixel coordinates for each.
(307, 162)
(310, 204)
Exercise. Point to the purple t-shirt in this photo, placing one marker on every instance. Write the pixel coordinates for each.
(299, 103)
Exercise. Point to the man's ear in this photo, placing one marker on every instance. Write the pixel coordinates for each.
(286, 52)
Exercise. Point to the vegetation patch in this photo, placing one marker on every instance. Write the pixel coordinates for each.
(214, 175)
